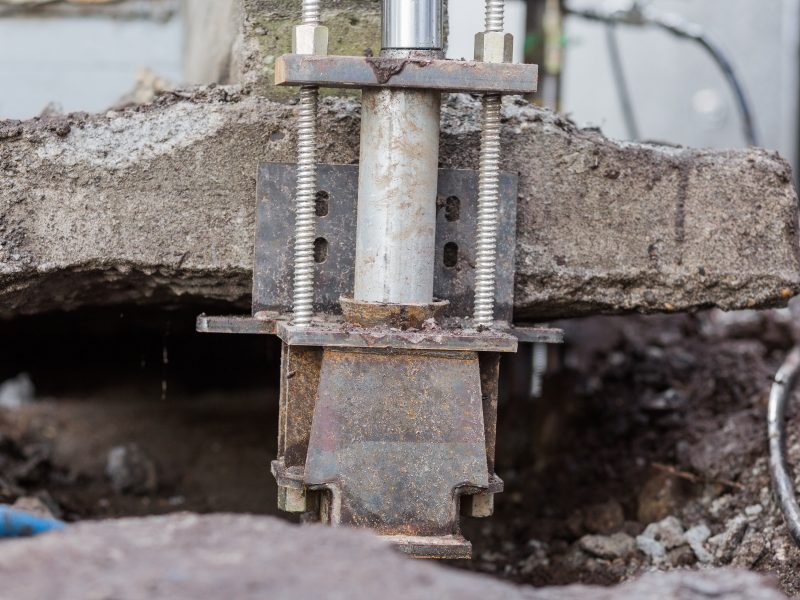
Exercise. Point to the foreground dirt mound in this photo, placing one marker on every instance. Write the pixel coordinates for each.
(187, 557)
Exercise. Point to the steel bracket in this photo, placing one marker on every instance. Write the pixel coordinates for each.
(388, 413)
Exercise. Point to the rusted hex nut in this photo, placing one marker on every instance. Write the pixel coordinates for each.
(293, 500)
(310, 39)
(494, 47)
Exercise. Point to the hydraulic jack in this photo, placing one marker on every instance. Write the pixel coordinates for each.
(390, 285)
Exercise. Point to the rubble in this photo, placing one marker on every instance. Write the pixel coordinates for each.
(602, 438)
(616, 545)
(17, 391)
(131, 471)
(696, 537)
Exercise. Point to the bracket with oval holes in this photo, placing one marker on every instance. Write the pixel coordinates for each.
(334, 248)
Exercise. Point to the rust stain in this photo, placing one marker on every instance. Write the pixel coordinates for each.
(386, 68)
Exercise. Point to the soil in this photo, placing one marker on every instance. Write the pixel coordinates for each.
(648, 428)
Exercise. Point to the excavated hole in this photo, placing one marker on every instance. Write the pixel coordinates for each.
(641, 418)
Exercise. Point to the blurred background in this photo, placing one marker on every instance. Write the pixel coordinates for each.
(649, 75)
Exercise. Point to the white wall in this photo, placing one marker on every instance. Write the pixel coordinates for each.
(678, 93)
(84, 63)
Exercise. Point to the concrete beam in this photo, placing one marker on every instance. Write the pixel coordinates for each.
(155, 204)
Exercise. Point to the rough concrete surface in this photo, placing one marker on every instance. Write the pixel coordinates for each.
(155, 204)
(188, 557)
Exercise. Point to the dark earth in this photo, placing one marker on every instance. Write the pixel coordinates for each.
(647, 449)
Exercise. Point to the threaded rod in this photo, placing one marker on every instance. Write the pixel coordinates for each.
(305, 198)
(488, 207)
(494, 15)
(311, 12)
(488, 191)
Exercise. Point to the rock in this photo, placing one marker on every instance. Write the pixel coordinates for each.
(652, 548)
(753, 510)
(682, 556)
(662, 495)
(131, 471)
(604, 518)
(17, 392)
(610, 547)
(696, 537)
(186, 557)
(658, 538)
(668, 531)
(727, 541)
(751, 549)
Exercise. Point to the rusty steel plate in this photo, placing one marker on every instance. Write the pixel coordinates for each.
(429, 74)
(264, 325)
(347, 336)
(456, 217)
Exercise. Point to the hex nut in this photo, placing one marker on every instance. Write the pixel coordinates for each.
(494, 47)
(292, 500)
(310, 39)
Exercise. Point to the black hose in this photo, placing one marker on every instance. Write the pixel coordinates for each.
(748, 125)
(782, 483)
(691, 32)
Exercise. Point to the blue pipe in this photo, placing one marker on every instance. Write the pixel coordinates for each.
(16, 523)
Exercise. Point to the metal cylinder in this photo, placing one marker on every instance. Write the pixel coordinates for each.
(412, 24)
(397, 187)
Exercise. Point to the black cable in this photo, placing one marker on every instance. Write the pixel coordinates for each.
(782, 483)
(691, 32)
(621, 82)
(696, 34)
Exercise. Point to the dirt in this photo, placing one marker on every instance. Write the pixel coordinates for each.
(647, 449)
(649, 419)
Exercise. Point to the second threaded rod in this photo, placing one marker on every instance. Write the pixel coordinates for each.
(490, 46)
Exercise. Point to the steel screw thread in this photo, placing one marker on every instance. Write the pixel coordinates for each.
(488, 190)
(305, 207)
(311, 12)
(494, 15)
(488, 206)
(305, 199)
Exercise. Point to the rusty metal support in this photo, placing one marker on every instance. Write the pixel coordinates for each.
(388, 404)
